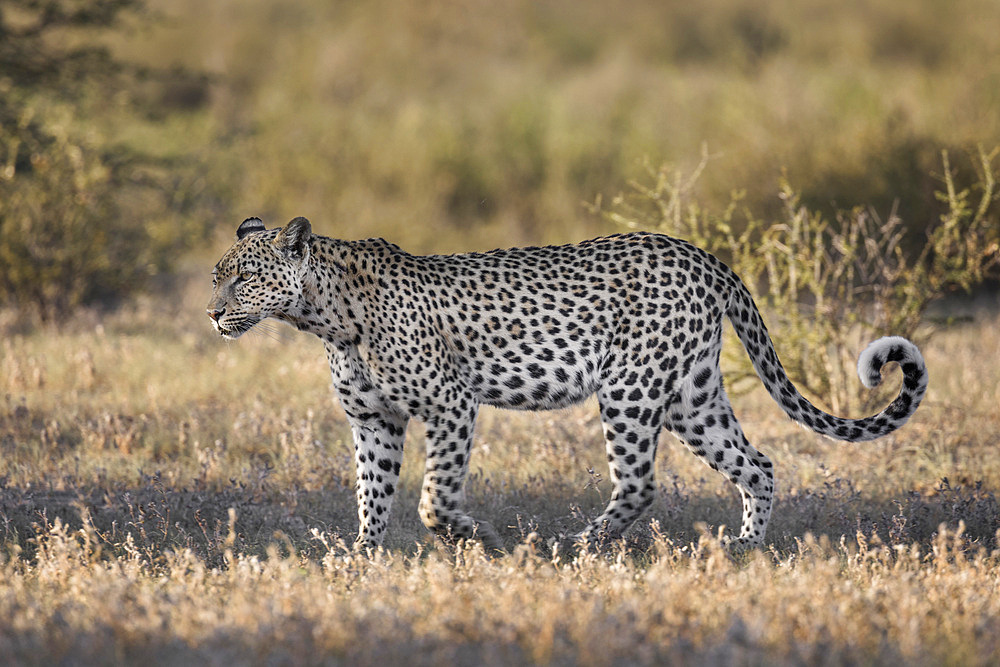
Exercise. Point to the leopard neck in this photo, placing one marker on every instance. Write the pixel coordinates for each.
(333, 286)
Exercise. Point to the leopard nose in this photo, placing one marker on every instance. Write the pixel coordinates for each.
(216, 313)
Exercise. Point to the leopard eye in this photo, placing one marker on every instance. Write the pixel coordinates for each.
(245, 276)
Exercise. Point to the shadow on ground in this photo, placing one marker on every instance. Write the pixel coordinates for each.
(251, 518)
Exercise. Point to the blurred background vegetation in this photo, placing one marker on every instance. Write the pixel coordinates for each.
(134, 132)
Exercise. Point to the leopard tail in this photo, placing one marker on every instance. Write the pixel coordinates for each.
(750, 329)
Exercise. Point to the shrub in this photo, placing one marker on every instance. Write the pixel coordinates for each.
(829, 286)
(81, 219)
(62, 240)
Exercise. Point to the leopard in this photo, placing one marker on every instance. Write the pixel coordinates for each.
(635, 318)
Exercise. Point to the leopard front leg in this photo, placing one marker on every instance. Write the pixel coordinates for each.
(379, 430)
(449, 441)
(378, 454)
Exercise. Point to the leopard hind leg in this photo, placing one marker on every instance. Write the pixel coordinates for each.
(702, 418)
(632, 416)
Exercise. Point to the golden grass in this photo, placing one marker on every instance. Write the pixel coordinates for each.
(822, 603)
(166, 496)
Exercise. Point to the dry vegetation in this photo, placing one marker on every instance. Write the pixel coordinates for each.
(168, 497)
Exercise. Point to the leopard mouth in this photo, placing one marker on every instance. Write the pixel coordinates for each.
(233, 330)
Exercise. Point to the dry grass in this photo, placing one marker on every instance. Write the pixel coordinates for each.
(821, 603)
(167, 497)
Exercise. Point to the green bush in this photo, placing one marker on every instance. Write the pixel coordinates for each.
(83, 220)
(62, 242)
(830, 286)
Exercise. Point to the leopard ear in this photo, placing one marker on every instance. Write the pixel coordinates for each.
(249, 226)
(293, 240)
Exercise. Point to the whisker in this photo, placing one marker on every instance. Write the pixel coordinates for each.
(264, 329)
(265, 334)
(275, 331)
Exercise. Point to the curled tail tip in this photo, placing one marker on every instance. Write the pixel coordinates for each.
(882, 351)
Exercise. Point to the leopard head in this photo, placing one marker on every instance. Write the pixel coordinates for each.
(260, 276)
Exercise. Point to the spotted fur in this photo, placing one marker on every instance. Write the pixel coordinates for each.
(635, 318)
